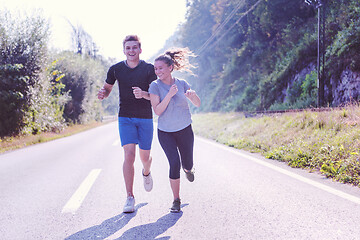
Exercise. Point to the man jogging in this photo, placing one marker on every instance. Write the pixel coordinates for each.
(135, 115)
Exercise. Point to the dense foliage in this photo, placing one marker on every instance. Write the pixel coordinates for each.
(261, 54)
(43, 91)
(23, 46)
(82, 80)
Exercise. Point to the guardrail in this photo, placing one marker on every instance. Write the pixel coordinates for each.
(260, 113)
(109, 118)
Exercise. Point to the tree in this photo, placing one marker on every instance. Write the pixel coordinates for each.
(83, 77)
(83, 42)
(13, 102)
(23, 45)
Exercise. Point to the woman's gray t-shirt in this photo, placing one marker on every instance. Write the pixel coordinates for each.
(177, 114)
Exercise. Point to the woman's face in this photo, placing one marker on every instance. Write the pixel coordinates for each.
(162, 70)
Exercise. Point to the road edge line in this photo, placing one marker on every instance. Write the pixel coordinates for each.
(321, 186)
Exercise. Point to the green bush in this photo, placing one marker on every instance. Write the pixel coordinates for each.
(13, 99)
(83, 77)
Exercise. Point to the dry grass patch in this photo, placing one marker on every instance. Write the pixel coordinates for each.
(327, 142)
(12, 143)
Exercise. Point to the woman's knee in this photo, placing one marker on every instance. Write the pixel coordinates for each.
(174, 172)
(188, 165)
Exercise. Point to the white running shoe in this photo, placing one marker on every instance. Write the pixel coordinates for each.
(129, 206)
(148, 182)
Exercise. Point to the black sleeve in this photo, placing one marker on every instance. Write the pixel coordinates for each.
(110, 78)
(151, 73)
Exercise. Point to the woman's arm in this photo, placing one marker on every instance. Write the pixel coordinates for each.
(160, 106)
(193, 97)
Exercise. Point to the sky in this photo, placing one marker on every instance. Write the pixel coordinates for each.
(109, 21)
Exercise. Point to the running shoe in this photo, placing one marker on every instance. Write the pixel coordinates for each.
(190, 175)
(129, 206)
(176, 206)
(148, 182)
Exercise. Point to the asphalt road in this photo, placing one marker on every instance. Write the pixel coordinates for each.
(72, 188)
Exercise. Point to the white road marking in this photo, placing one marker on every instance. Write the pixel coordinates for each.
(78, 197)
(288, 173)
(117, 142)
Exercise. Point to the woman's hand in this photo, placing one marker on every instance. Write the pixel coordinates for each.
(190, 93)
(193, 97)
(173, 90)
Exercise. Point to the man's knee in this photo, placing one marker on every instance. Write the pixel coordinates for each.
(129, 153)
(145, 155)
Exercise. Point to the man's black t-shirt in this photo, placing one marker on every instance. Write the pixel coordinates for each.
(141, 76)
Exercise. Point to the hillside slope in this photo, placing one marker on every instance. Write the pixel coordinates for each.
(261, 55)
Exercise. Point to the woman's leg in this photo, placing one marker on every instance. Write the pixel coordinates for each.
(185, 142)
(175, 187)
(168, 144)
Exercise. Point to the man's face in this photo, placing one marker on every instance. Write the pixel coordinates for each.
(132, 50)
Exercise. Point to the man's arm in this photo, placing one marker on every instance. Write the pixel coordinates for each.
(140, 93)
(105, 91)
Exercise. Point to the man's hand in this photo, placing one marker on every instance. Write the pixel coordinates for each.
(137, 92)
(101, 93)
(105, 91)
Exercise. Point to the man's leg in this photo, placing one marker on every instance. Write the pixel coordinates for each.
(128, 167)
(146, 160)
(145, 133)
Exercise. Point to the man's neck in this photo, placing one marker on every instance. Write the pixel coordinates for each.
(132, 63)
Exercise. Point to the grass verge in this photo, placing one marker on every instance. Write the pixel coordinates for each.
(12, 143)
(327, 142)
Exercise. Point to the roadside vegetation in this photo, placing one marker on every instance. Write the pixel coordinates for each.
(21, 141)
(43, 90)
(326, 142)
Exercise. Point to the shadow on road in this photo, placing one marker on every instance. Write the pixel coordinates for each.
(151, 230)
(106, 228)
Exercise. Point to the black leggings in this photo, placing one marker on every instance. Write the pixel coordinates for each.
(174, 142)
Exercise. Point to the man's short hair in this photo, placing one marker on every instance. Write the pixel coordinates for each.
(132, 38)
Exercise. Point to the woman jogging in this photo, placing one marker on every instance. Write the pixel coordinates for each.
(168, 96)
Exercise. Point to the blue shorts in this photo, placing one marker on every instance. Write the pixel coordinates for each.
(136, 131)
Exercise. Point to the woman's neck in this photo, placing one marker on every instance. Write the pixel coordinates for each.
(169, 81)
